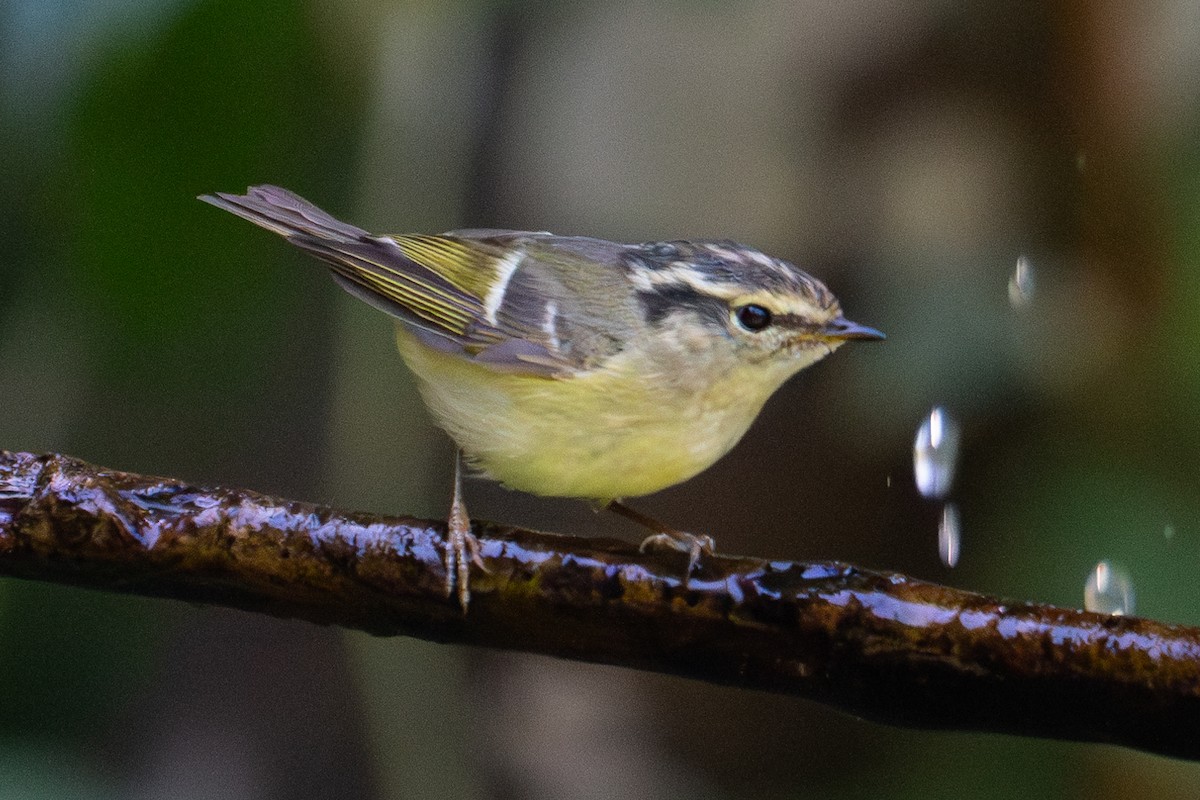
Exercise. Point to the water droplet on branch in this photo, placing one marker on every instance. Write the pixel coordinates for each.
(1109, 590)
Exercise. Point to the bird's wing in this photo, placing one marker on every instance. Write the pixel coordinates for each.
(456, 292)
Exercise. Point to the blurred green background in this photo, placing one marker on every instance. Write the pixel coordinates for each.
(908, 154)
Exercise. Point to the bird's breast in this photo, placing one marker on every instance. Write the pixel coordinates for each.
(629, 428)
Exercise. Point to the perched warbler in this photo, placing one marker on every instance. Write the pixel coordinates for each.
(570, 366)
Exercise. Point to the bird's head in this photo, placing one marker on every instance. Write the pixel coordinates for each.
(763, 308)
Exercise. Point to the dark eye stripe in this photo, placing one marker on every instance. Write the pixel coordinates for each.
(795, 322)
(665, 300)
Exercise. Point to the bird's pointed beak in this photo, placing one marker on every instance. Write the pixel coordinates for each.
(842, 329)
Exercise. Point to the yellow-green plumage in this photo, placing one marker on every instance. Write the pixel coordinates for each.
(636, 424)
(576, 367)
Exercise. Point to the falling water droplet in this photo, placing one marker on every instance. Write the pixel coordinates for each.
(1169, 531)
(1020, 284)
(935, 453)
(1109, 590)
(948, 535)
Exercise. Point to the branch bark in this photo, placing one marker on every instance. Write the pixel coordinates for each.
(878, 645)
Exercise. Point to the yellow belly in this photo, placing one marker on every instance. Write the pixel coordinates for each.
(616, 431)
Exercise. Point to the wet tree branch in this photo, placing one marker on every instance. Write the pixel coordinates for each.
(878, 645)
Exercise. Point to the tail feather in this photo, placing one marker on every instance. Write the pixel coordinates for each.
(431, 284)
(284, 213)
(372, 268)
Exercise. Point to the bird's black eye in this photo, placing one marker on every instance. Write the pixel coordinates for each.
(753, 317)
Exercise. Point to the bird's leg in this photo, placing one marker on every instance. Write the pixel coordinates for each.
(693, 544)
(462, 548)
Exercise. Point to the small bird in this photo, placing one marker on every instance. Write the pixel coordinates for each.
(568, 366)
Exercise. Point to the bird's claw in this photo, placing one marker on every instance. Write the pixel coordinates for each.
(462, 550)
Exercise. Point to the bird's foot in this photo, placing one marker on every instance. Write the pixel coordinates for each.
(667, 537)
(462, 547)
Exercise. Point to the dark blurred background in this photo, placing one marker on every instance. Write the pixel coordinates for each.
(909, 154)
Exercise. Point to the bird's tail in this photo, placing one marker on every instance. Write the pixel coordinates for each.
(375, 269)
(285, 213)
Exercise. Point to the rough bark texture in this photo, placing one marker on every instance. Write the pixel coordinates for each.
(878, 645)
